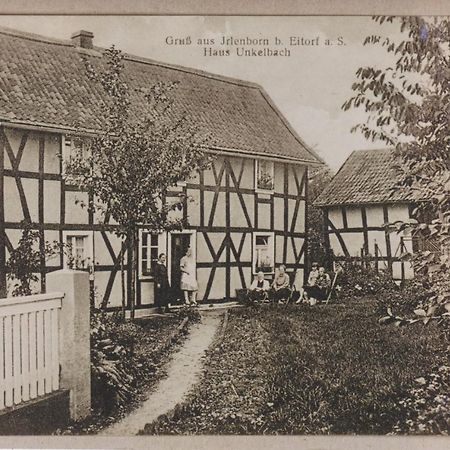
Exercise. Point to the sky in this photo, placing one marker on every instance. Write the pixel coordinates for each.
(309, 86)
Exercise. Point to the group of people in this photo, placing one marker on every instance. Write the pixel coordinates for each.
(316, 288)
(188, 283)
(318, 284)
(262, 290)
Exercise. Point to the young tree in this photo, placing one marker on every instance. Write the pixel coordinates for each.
(24, 262)
(141, 152)
(408, 107)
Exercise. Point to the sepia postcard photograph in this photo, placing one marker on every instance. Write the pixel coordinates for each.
(217, 225)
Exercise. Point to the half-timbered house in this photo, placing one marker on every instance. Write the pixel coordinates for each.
(245, 213)
(358, 205)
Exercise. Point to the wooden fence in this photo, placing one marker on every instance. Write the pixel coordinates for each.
(29, 347)
(377, 261)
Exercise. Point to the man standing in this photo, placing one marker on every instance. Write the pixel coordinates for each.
(162, 285)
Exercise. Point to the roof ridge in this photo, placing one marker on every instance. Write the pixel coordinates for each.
(367, 150)
(186, 69)
(34, 37)
(130, 57)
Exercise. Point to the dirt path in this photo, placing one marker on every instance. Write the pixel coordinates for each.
(182, 374)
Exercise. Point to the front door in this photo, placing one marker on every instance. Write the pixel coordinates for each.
(179, 244)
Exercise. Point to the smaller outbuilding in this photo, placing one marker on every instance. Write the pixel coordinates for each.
(357, 205)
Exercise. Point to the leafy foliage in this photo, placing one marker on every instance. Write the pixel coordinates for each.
(360, 279)
(317, 251)
(404, 300)
(427, 406)
(139, 155)
(124, 355)
(408, 105)
(305, 370)
(25, 260)
(113, 372)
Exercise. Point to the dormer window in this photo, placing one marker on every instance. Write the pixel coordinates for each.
(264, 176)
(73, 148)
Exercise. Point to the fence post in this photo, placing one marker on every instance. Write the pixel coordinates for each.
(376, 257)
(402, 262)
(74, 329)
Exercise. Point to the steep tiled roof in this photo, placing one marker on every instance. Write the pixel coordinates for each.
(43, 81)
(367, 176)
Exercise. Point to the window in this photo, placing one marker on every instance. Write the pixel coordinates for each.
(73, 148)
(263, 252)
(78, 251)
(151, 244)
(264, 175)
(149, 252)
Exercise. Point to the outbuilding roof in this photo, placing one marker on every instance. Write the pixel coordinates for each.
(367, 176)
(43, 82)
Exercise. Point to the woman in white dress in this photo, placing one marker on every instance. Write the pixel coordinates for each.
(188, 278)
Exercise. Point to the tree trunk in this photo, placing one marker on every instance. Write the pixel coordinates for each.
(132, 271)
(122, 278)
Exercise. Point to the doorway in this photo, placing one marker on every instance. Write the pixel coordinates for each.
(179, 243)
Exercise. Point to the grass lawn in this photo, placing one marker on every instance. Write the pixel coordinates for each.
(306, 370)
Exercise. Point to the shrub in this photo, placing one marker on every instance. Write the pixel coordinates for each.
(412, 295)
(123, 353)
(113, 369)
(25, 260)
(361, 280)
(358, 280)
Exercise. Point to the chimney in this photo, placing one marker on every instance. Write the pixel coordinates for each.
(83, 39)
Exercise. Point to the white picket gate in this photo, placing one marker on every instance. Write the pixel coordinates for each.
(29, 347)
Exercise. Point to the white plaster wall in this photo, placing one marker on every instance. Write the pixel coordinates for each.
(354, 217)
(374, 215)
(335, 217)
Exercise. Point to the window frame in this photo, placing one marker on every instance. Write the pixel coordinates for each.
(88, 249)
(257, 166)
(271, 251)
(161, 246)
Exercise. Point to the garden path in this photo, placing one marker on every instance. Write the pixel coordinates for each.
(183, 372)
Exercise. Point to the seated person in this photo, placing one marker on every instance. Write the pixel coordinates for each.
(280, 287)
(259, 288)
(323, 283)
(310, 287)
(319, 290)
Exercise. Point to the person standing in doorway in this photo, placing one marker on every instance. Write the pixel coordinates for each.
(162, 285)
(188, 283)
